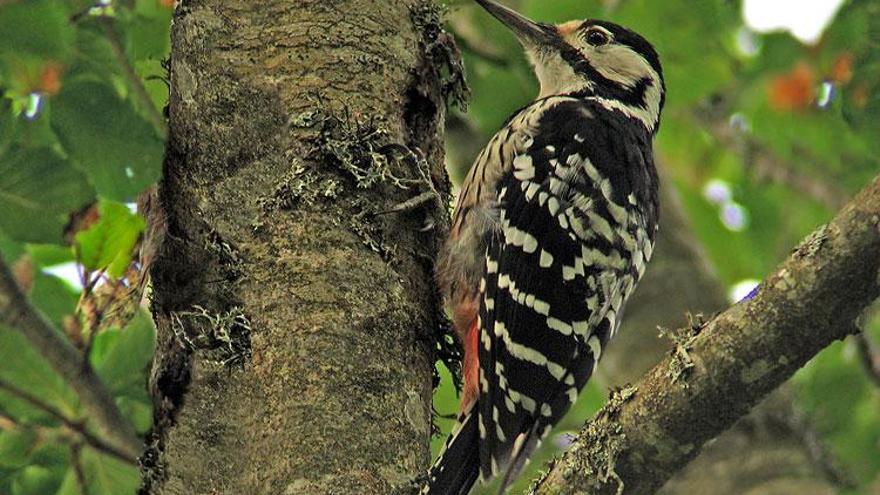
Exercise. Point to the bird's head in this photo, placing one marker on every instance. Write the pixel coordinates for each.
(592, 58)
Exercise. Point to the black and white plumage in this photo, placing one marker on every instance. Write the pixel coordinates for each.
(552, 230)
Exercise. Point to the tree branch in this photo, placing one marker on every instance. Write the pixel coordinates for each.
(137, 85)
(73, 425)
(869, 355)
(766, 165)
(681, 281)
(18, 314)
(650, 431)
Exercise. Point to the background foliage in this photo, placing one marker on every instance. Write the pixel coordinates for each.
(80, 138)
(763, 136)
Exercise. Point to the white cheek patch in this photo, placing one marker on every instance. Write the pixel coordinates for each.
(622, 65)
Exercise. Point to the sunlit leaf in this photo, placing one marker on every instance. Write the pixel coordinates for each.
(69, 485)
(138, 410)
(110, 242)
(35, 480)
(107, 475)
(123, 360)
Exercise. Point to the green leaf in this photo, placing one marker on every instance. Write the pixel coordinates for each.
(149, 36)
(15, 447)
(561, 10)
(102, 344)
(35, 480)
(37, 27)
(9, 249)
(124, 359)
(116, 147)
(109, 243)
(138, 411)
(54, 297)
(93, 58)
(69, 485)
(46, 255)
(107, 475)
(27, 370)
(834, 388)
(7, 125)
(38, 189)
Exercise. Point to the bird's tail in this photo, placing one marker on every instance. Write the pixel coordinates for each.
(456, 469)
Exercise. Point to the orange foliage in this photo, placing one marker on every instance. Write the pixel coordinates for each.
(50, 78)
(792, 91)
(842, 70)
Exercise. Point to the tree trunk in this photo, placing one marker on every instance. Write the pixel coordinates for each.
(296, 317)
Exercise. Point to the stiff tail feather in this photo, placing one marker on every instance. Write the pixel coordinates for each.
(456, 469)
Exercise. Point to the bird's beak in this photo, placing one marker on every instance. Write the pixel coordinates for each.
(528, 31)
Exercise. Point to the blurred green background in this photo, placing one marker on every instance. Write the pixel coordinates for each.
(764, 138)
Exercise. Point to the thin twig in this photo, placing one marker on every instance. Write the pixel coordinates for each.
(18, 314)
(137, 84)
(96, 321)
(76, 426)
(76, 462)
(819, 452)
(869, 356)
(765, 164)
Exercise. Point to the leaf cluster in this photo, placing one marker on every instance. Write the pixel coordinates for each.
(82, 85)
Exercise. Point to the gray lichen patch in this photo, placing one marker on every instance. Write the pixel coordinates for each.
(683, 340)
(600, 444)
(354, 144)
(224, 337)
(812, 244)
(756, 371)
(300, 184)
(442, 52)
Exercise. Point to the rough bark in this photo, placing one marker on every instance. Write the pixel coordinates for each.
(724, 367)
(770, 451)
(296, 319)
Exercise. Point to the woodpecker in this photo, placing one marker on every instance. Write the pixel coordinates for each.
(552, 229)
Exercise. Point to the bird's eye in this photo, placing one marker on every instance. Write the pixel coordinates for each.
(597, 38)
